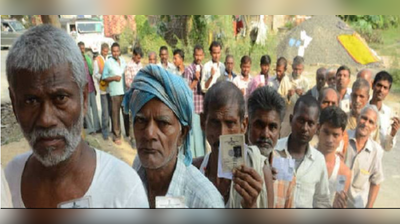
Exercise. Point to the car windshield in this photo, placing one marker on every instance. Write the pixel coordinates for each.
(17, 25)
(89, 27)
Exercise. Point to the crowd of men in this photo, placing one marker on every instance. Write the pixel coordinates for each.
(332, 137)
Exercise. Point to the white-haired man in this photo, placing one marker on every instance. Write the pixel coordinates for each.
(364, 158)
(49, 94)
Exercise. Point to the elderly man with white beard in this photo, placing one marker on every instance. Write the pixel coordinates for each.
(49, 94)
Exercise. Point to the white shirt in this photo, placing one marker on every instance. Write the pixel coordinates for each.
(385, 127)
(170, 67)
(344, 104)
(241, 83)
(312, 185)
(114, 185)
(5, 192)
(366, 167)
(206, 74)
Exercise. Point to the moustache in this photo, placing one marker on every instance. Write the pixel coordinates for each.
(264, 141)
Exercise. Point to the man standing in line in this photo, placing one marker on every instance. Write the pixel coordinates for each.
(164, 63)
(213, 69)
(342, 82)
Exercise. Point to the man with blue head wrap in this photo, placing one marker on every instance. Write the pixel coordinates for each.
(162, 108)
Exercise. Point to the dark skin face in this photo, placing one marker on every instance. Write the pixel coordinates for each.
(359, 98)
(304, 123)
(264, 128)
(152, 59)
(104, 52)
(381, 90)
(46, 100)
(136, 58)
(229, 65)
(245, 69)
(164, 56)
(280, 72)
(329, 138)
(264, 69)
(157, 134)
(320, 80)
(297, 70)
(215, 54)
(198, 56)
(342, 79)
(330, 99)
(178, 61)
(115, 52)
(331, 79)
(222, 121)
(82, 48)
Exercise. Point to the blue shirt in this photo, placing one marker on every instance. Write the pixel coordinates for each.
(113, 68)
(187, 181)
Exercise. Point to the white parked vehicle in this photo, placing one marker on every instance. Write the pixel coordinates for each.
(88, 31)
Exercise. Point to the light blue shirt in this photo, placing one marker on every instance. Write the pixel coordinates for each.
(113, 68)
(187, 181)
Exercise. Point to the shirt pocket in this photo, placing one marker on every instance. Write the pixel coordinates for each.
(360, 179)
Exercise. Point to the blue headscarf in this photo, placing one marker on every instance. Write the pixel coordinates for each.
(155, 82)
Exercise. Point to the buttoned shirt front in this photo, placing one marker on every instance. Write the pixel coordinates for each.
(366, 167)
(312, 185)
(198, 95)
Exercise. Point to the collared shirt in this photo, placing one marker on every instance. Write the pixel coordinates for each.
(312, 185)
(187, 181)
(255, 83)
(383, 137)
(132, 68)
(273, 82)
(113, 68)
(198, 95)
(170, 67)
(242, 84)
(344, 103)
(206, 74)
(351, 122)
(225, 77)
(366, 167)
(314, 92)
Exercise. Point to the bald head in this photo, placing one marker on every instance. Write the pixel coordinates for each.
(329, 97)
(367, 75)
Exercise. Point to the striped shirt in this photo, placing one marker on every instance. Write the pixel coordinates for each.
(187, 181)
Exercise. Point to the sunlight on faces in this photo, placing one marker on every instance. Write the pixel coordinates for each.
(215, 53)
(329, 138)
(245, 69)
(280, 71)
(342, 79)
(164, 56)
(366, 123)
(297, 70)
(330, 99)
(198, 56)
(158, 134)
(381, 89)
(359, 98)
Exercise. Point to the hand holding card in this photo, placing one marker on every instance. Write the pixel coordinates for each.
(231, 154)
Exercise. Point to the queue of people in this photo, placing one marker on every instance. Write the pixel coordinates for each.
(318, 147)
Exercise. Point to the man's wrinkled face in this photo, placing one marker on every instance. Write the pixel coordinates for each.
(158, 134)
(215, 54)
(164, 56)
(264, 128)
(49, 106)
(359, 98)
(304, 123)
(280, 72)
(366, 123)
(198, 56)
(115, 52)
(222, 121)
(329, 138)
(381, 89)
(297, 70)
(330, 99)
(152, 59)
(342, 79)
(229, 64)
(245, 69)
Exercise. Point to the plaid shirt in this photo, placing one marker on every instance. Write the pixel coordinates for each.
(284, 190)
(187, 181)
(131, 70)
(198, 95)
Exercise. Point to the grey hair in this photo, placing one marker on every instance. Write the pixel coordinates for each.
(266, 98)
(151, 53)
(361, 83)
(373, 108)
(298, 60)
(43, 47)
